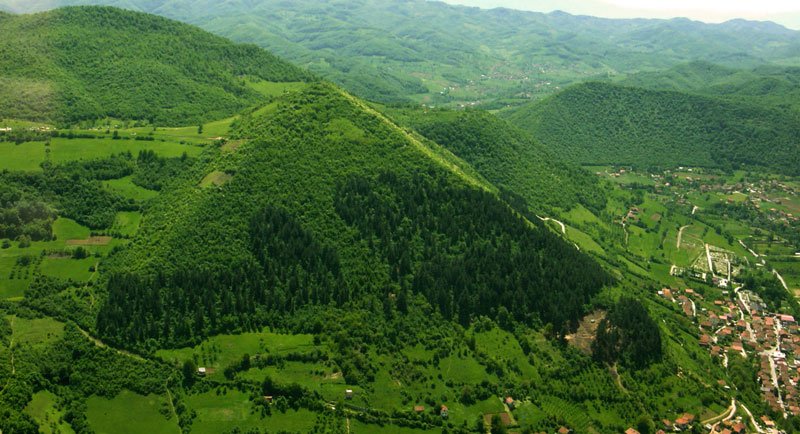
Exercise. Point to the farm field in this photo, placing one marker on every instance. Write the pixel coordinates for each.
(223, 409)
(28, 156)
(35, 332)
(18, 266)
(63, 150)
(113, 416)
(221, 351)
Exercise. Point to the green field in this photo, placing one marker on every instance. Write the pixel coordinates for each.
(127, 222)
(219, 411)
(130, 413)
(67, 229)
(221, 351)
(68, 268)
(268, 88)
(127, 189)
(62, 150)
(24, 157)
(312, 376)
(28, 156)
(38, 331)
(50, 418)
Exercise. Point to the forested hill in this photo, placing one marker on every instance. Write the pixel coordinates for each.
(324, 201)
(388, 50)
(600, 123)
(776, 85)
(81, 63)
(508, 157)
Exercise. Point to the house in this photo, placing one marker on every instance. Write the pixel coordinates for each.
(684, 421)
(348, 394)
(786, 319)
(268, 399)
(419, 409)
(509, 402)
(564, 430)
(705, 340)
(201, 371)
(631, 431)
(443, 411)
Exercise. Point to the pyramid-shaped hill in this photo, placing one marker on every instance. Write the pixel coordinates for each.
(322, 200)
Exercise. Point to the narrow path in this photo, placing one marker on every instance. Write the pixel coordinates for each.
(102, 344)
(171, 405)
(778, 275)
(726, 415)
(548, 219)
(694, 209)
(617, 379)
(680, 235)
(752, 419)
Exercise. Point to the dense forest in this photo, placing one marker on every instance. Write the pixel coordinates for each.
(76, 64)
(628, 335)
(599, 123)
(507, 157)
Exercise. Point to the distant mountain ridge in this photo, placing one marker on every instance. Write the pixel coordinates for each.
(432, 52)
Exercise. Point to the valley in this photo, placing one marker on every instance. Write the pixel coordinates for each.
(198, 236)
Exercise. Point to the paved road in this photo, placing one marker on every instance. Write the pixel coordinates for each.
(772, 363)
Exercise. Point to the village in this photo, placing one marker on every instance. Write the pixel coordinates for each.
(741, 326)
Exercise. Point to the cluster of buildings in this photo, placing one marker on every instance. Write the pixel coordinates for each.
(742, 326)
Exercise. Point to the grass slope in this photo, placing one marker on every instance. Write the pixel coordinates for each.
(600, 123)
(81, 63)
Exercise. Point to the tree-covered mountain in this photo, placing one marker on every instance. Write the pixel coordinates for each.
(76, 64)
(507, 156)
(324, 203)
(776, 85)
(438, 53)
(601, 123)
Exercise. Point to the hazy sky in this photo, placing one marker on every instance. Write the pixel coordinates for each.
(786, 12)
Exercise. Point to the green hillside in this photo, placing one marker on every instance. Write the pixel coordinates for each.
(779, 86)
(599, 123)
(77, 64)
(327, 203)
(446, 54)
(508, 157)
